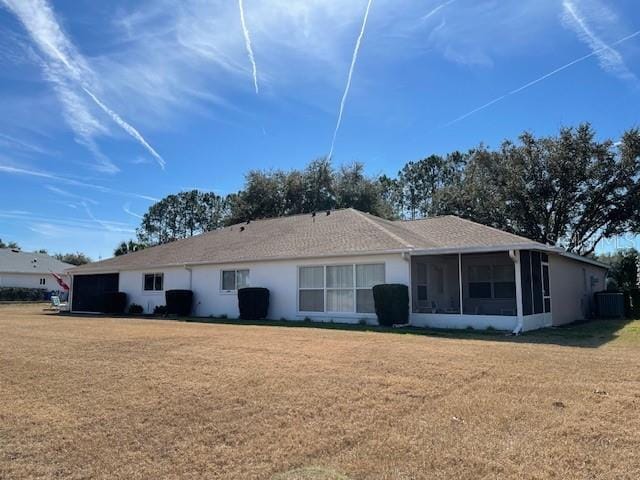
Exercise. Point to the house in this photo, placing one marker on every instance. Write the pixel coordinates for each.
(29, 269)
(323, 266)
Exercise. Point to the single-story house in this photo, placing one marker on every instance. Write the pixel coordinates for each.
(323, 266)
(30, 269)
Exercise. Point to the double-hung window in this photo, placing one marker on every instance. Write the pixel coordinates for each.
(338, 288)
(153, 282)
(233, 280)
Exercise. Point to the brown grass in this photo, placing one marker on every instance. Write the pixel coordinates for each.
(122, 398)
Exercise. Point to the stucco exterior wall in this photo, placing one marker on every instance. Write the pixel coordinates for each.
(572, 284)
(280, 277)
(28, 280)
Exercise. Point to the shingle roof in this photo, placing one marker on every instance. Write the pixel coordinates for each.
(343, 232)
(16, 261)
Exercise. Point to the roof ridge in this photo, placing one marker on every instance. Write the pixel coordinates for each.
(496, 229)
(381, 228)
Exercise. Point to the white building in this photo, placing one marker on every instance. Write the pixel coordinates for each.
(322, 266)
(30, 270)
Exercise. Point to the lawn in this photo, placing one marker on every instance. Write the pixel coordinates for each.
(84, 397)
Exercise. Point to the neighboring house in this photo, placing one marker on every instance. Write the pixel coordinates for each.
(30, 270)
(323, 266)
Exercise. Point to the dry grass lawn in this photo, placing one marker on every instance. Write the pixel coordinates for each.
(124, 398)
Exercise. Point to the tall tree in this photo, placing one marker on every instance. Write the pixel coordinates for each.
(624, 268)
(568, 189)
(181, 215)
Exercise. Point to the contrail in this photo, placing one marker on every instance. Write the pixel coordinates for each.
(126, 127)
(353, 63)
(540, 79)
(247, 43)
(436, 10)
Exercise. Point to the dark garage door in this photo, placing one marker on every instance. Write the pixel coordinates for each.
(89, 290)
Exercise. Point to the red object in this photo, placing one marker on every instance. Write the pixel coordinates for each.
(60, 281)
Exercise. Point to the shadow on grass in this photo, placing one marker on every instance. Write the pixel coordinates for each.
(586, 334)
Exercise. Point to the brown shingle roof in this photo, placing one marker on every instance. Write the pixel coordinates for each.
(343, 232)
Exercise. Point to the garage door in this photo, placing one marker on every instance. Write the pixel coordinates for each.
(89, 290)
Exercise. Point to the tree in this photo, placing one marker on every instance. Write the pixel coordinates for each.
(624, 267)
(76, 258)
(128, 247)
(319, 191)
(353, 189)
(182, 215)
(8, 245)
(568, 189)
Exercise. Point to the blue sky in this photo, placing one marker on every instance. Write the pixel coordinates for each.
(106, 106)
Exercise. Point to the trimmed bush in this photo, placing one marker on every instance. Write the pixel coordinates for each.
(391, 303)
(179, 302)
(160, 310)
(135, 309)
(115, 302)
(253, 303)
(20, 294)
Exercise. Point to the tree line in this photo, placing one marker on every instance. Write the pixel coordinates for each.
(567, 189)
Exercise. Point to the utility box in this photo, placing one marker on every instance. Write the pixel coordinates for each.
(610, 304)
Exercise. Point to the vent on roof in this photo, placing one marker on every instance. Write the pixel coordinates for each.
(248, 221)
(313, 214)
(15, 250)
(242, 229)
(328, 212)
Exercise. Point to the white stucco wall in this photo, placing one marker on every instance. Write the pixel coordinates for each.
(280, 277)
(28, 280)
(572, 289)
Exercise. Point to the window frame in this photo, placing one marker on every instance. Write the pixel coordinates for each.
(235, 279)
(325, 289)
(155, 276)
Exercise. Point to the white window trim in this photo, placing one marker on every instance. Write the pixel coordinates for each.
(154, 291)
(354, 289)
(235, 280)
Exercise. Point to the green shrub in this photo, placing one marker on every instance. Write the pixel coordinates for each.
(391, 303)
(160, 310)
(253, 303)
(135, 309)
(115, 302)
(179, 302)
(19, 294)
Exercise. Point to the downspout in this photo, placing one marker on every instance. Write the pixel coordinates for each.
(515, 257)
(188, 269)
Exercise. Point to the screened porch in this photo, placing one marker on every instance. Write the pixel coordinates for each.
(480, 284)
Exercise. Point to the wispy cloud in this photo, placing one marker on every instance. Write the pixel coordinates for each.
(349, 77)
(67, 70)
(12, 170)
(13, 143)
(581, 18)
(435, 10)
(127, 209)
(539, 79)
(65, 193)
(247, 42)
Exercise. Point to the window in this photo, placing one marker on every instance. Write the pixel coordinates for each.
(338, 288)
(234, 279)
(153, 282)
(311, 289)
(480, 281)
(497, 281)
